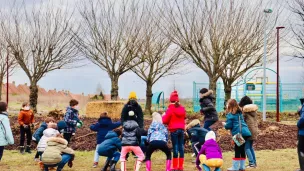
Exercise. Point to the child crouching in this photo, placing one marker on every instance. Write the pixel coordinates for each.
(157, 138)
(210, 155)
(110, 148)
(196, 134)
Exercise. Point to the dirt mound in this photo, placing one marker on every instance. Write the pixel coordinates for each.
(271, 136)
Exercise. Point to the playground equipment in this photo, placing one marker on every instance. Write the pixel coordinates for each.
(252, 86)
(156, 100)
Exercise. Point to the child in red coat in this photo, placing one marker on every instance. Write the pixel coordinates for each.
(175, 119)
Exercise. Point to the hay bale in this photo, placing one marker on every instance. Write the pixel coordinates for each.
(113, 108)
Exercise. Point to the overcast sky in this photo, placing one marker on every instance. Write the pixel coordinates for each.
(87, 78)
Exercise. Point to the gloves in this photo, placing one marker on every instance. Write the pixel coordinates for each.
(70, 164)
(198, 168)
(79, 124)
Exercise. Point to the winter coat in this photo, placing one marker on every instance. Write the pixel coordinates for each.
(6, 135)
(232, 123)
(71, 119)
(136, 108)
(300, 123)
(55, 148)
(131, 134)
(102, 127)
(157, 131)
(111, 144)
(250, 116)
(208, 106)
(25, 117)
(47, 134)
(197, 134)
(39, 132)
(175, 118)
(211, 149)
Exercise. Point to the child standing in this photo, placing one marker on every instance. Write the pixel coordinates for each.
(102, 127)
(197, 135)
(71, 118)
(175, 119)
(25, 120)
(250, 116)
(210, 155)
(300, 125)
(39, 133)
(110, 148)
(235, 122)
(131, 139)
(157, 138)
(6, 135)
(207, 108)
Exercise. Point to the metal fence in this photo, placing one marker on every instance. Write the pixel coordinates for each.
(290, 93)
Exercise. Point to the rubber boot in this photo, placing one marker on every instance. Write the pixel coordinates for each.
(181, 164)
(148, 165)
(21, 148)
(175, 164)
(235, 165)
(105, 167)
(242, 165)
(301, 160)
(113, 165)
(168, 165)
(137, 165)
(28, 149)
(123, 166)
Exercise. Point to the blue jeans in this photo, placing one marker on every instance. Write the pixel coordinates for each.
(206, 168)
(143, 147)
(250, 152)
(207, 124)
(115, 156)
(177, 138)
(65, 159)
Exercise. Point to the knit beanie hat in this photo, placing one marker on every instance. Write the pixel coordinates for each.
(210, 135)
(157, 117)
(132, 95)
(174, 97)
(193, 123)
(203, 90)
(61, 125)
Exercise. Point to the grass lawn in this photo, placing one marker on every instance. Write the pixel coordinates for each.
(279, 160)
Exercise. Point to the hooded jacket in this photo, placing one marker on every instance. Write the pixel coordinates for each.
(55, 148)
(175, 118)
(250, 116)
(102, 127)
(232, 123)
(157, 130)
(39, 132)
(6, 135)
(132, 105)
(111, 144)
(71, 119)
(207, 106)
(196, 132)
(210, 148)
(300, 123)
(47, 134)
(25, 117)
(131, 133)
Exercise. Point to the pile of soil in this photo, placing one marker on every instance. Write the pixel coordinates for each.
(271, 135)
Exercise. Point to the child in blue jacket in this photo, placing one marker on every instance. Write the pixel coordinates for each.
(39, 133)
(301, 136)
(110, 148)
(102, 127)
(71, 118)
(196, 134)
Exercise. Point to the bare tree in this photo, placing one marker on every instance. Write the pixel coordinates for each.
(39, 39)
(161, 58)
(110, 36)
(297, 28)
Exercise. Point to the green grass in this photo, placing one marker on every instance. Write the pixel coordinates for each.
(279, 160)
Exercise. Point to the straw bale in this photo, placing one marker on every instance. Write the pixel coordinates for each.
(113, 108)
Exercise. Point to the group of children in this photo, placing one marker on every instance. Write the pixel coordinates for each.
(52, 138)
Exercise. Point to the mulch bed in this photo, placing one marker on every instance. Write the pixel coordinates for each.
(271, 135)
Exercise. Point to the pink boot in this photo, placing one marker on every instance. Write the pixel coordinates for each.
(168, 165)
(148, 165)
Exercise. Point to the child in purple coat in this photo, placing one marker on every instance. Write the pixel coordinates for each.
(210, 155)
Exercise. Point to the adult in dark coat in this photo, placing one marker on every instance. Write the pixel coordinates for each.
(208, 108)
(133, 111)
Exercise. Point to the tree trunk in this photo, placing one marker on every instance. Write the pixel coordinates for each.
(34, 96)
(212, 84)
(1, 84)
(227, 90)
(114, 88)
(149, 95)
